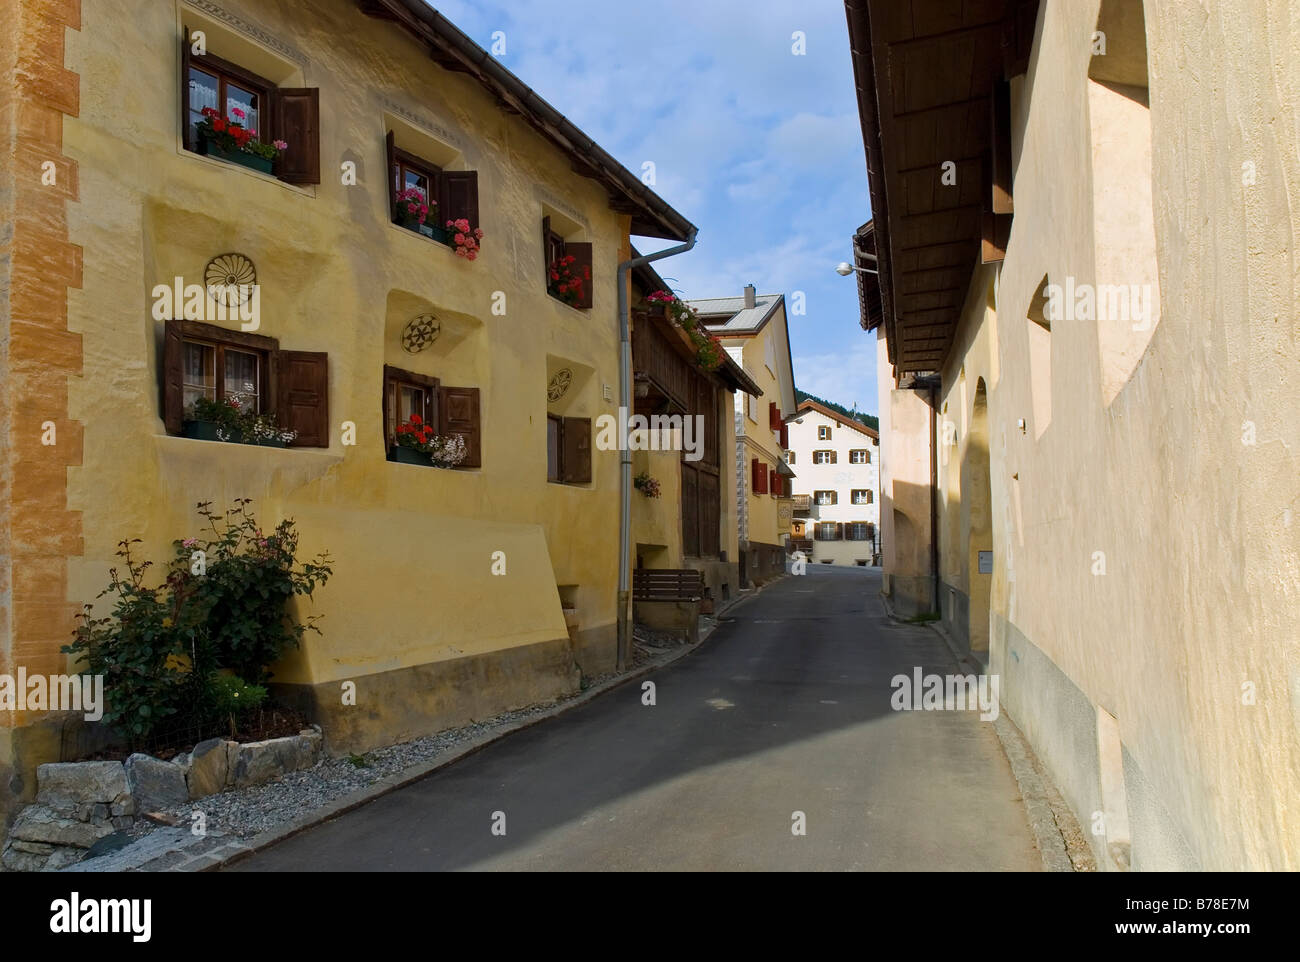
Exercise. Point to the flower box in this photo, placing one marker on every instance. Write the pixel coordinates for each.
(206, 431)
(404, 455)
(251, 161)
(272, 443)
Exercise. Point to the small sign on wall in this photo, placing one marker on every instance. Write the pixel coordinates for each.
(986, 563)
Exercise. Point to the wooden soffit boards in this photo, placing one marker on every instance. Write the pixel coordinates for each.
(935, 65)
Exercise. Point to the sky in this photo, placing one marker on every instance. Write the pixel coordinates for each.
(757, 146)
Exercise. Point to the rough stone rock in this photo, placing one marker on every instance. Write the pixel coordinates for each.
(66, 787)
(34, 848)
(38, 823)
(209, 767)
(121, 822)
(125, 805)
(99, 813)
(62, 858)
(259, 762)
(155, 784)
(16, 860)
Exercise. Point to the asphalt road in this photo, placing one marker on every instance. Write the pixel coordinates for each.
(785, 709)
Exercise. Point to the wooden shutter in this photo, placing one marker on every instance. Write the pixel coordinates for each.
(690, 512)
(393, 186)
(710, 515)
(297, 121)
(835, 497)
(760, 477)
(185, 89)
(460, 196)
(547, 255)
(839, 531)
(303, 397)
(575, 451)
(458, 413)
(774, 482)
(581, 267)
(785, 436)
(835, 457)
(173, 385)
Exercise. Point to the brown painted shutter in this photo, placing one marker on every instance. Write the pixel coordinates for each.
(303, 397)
(785, 436)
(390, 408)
(458, 413)
(835, 457)
(173, 389)
(393, 186)
(581, 262)
(1000, 146)
(576, 454)
(185, 88)
(835, 497)
(839, 531)
(690, 512)
(773, 482)
(710, 515)
(546, 250)
(460, 196)
(297, 121)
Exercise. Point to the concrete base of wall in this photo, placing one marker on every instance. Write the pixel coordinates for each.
(954, 606)
(1060, 723)
(766, 561)
(721, 578)
(595, 649)
(407, 703)
(56, 737)
(909, 595)
(681, 617)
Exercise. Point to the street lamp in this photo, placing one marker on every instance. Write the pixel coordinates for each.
(844, 268)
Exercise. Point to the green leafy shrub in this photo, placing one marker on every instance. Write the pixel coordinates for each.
(234, 699)
(162, 651)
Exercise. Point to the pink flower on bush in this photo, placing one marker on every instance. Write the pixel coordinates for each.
(281, 144)
(190, 542)
(235, 111)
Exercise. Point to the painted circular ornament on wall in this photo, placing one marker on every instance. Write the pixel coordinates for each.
(230, 278)
(559, 384)
(420, 332)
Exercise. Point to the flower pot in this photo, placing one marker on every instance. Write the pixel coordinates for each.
(206, 431)
(441, 234)
(272, 443)
(405, 455)
(251, 161)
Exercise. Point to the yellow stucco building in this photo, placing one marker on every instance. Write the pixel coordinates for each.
(752, 329)
(456, 593)
(1087, 338)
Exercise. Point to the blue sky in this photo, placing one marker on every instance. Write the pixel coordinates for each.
(760, 148)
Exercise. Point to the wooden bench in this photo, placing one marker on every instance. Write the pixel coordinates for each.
(667, 584)
(668, 599)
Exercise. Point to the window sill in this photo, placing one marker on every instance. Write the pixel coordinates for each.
(432, 238)
(583, 311)
(581, 485)
(306, 190)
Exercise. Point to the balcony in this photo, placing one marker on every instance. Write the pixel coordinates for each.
(802, 502)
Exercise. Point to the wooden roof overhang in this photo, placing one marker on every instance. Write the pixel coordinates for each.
(930, 78)
(452, 49)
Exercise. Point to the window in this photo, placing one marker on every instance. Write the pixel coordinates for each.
(826, 497)
(452, 410)
(449, 194)
(789, 457)
(828, 531)
(824, 457)
(555, 249)
(290, 114)
(568, 450)
(205, 361)
(859, 531)
(751, 406)
(863, 496)
(859, 456)
(823, 432)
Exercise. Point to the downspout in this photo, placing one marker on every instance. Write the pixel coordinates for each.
(934, 494)
(625, 451)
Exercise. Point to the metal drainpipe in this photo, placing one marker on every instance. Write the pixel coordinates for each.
(625, 452)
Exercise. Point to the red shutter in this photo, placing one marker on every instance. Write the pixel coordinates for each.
(303, 397)
(173, 391)
(393, 187)
(582, 268)
(460, 196)
(785, 436)
(458, 413)
(576, 451)
(297, 120)
(773, 418)
(760, 477)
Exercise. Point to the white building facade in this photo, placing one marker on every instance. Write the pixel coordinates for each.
(836, 461)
